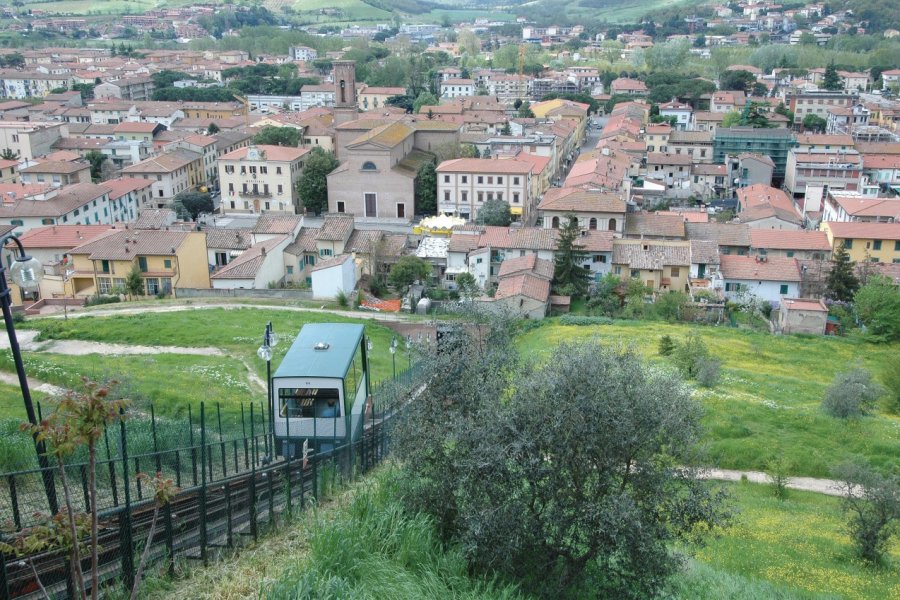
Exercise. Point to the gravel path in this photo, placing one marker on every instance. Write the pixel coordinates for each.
(82, 347)
(806, 484)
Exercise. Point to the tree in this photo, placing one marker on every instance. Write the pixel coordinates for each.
(525, 111)
(783, 110)
(851, 394)
(467, 286)
(731, 119)
(495, 212)
(134, 283)
(690, 355)
(807, 39)
(814, 123)
(872, 501)
(313, 184)
(700, 41)
(605, 297)
(506, 130)
(739, 80)
(212, 129)
(507, 481)
(670, 305)
(408, 270)
(842, 282)
(189, 205)
(424, 99)
(666, 345)
(569, 274)
(9, 154)
(832, 81)
(426, 189)
(878, 305)
(278, 136)
(96, 158)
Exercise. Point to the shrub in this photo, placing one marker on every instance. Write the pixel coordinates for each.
(342, 299)
(777, 469)
(689, 355)
(98, 300)
(709, 371)
(873, 502)
(852, 394)
(670, 306)
(18, 317)
(891, 379)
(583, 320)
(666, 345)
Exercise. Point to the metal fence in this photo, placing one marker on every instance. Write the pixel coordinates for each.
(231, 489)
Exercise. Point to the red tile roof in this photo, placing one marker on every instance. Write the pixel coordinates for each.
(749, 268)
(61, 236)
(485, 165)
(865, 231)
(274, 153)
(525, 284)
(804, 304)
(789, 240)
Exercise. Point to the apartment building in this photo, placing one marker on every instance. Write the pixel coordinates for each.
(866, 242)
(261, 179)
(171, 173)
(817, 102)
(832, 171)
(31, 84)
(30, 139)
(165, 259)
(56, 172)
(465, 184)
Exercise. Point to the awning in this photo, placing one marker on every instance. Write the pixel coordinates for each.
(515, 210)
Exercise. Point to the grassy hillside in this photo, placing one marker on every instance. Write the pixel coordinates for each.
(767, 403)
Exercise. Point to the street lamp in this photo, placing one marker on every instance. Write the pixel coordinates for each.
(394, 355)
(409, 351)
(26, 272)
(270, 340)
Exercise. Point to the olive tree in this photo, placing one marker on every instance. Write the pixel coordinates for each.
(565, 476)
(851, 394)
(872, 502)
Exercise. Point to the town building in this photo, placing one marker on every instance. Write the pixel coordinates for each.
(465, 184)
(866, 242)
(261, 179)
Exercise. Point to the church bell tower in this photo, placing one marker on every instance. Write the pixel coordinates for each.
(345, 104)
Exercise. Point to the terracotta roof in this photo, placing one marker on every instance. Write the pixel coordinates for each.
(704, 252)
(524, 284)
(655, 257)
(881, 161)
(724, 234)
(267, 152)
(155, 218)
(61, 236)
(521, 238)
(228, 239)
(164, 163)
(865, 231)
(751, 268)
(869, 207)
(486, 165)
(765, 211)
(363, 240)
(388, 135)
(651, 224)
(277, 224)
(596, 240)
(529, 263)
(579, 200)
(68, 199)
(336, 228)
(789, 240)
(120, 186)
(804, 304)
(757, 157)
(332, 262)
(247, 265)
(463, 242)
(668, 158)
(135, 127)
(823, 139)
(304, 242)
(56, 166)
(126, 244)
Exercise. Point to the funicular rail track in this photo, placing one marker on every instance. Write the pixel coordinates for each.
(226, 508)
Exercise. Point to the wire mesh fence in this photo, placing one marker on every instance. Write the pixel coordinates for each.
(232, 487)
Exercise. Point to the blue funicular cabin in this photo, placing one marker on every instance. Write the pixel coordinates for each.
(320, 389)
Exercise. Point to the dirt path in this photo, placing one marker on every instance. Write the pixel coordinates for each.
(34, 384)
(82, 347)
(806, 484)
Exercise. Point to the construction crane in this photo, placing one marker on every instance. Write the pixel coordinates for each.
(246, 104)
(520, 64)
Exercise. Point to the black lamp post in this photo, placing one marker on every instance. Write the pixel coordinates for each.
(394, 355)
(27, 273)
(409, 351)
(270, 340)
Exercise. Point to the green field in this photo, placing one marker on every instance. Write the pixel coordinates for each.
(767, 403)
(800, 543)
(351, 10)
(93, 7)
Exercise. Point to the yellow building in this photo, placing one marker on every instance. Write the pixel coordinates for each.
(661, 265)
(9, 171)
(866, 241)
(166, 260)
(213, 110)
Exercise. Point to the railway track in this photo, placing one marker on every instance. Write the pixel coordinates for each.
(201, 521)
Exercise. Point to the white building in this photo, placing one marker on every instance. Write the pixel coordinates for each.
(465, 184)
(456, 88)
(304, 53)
(255, 268)
(683, 114)
(770, 279)
(333, 276)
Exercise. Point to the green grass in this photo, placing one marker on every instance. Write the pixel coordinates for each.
(768, 400)
(799, 543)
(351, 10)
(85, 7)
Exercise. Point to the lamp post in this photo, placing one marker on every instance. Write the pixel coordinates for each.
(27, 273)
(270, 340)
(394, 355)
(409, 351)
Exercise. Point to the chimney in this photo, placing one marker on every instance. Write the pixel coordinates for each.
(263, 251)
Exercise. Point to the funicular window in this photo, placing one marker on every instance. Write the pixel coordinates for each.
(306, 403)
(353, 378)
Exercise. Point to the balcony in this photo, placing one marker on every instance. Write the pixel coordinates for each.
(255, 194)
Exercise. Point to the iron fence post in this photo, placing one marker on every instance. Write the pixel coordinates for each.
(252, 489)
(126, 543)
(203, 554)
